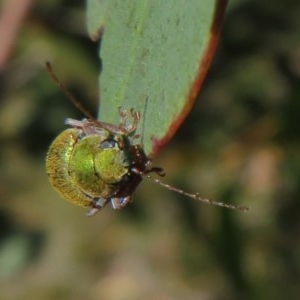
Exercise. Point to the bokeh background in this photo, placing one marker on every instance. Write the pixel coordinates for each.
(240, 144)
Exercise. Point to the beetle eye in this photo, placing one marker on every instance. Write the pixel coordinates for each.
(108, 143)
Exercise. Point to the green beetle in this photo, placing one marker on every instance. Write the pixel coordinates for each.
(95, 163)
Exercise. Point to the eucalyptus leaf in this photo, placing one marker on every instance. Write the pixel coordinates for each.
(155, 55)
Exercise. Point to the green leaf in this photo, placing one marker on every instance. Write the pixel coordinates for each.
(155, 55)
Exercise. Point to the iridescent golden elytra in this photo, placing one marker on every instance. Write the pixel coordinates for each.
(94, 163)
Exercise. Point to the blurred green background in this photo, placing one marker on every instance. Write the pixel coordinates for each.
(240, 144)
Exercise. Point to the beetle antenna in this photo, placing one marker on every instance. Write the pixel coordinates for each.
(144, 120)
(196, 196)
(67, 93)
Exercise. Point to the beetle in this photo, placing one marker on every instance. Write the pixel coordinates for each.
(94, 163)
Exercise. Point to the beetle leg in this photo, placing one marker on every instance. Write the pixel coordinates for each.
(118, 203)
(136, 118)
(92, 211)
(96, 205)
(86, 126)
(123, 116)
